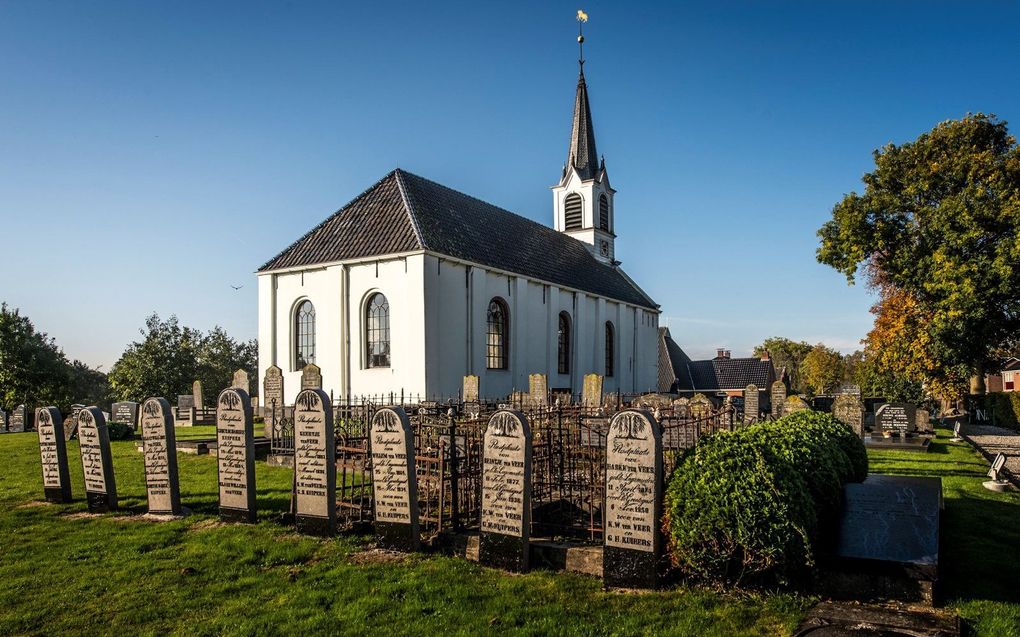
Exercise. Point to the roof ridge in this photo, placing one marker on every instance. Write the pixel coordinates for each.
(411, 213)
(329, 218)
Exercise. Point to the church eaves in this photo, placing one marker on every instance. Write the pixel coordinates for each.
(403, 212)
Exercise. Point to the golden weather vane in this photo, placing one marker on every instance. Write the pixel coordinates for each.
(582, 17)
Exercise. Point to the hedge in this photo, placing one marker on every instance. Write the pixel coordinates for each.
(753, 505)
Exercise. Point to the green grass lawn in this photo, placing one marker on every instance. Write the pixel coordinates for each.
(66, 572)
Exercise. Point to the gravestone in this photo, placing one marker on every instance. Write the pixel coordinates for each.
(311, 377)
(681, 408)
(314, 464)
(794, 404)
(470, 389)
(897, 417)
(506, 492)
(538, 390)
(751, 403)
(591, 394)
(235, 455)
(653, 401)
(185, 403)
(196, 391)
(3, 421)
(53, 454)
(240, 381)
(125, 412)
(922, 421)
(701, 406)
(394, 481)
(778, 398)
(18, 422)
(849, 410)
(612, 401)
(849, 389)
(889, 531)
(71, 422)
(272, 395)
(96, 461)
(159, 447)
(634, 485)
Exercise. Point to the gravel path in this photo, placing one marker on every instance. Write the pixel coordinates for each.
(993, 440)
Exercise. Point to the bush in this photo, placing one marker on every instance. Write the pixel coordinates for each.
(1005, 408)
(754, 503)
(119, 431)
(736, 510)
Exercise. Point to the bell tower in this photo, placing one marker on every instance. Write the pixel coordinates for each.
(583, 199)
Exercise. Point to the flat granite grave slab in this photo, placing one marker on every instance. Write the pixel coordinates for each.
(888, 541)
(896, 443)
(834, 619)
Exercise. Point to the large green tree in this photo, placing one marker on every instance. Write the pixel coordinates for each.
(821, 370)
(937, 229)
(788, 354)
(163, 363)
(219, 356)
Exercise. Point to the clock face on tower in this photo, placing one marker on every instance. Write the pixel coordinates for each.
(604, 247)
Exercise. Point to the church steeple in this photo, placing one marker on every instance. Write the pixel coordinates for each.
(583, 200)
(582, 155)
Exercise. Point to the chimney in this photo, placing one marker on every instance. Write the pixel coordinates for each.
(722, 354)
(765, 356)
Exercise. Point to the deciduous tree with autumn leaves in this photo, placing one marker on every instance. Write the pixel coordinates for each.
(936, 233)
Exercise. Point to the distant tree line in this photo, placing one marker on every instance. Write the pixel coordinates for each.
(166, 360)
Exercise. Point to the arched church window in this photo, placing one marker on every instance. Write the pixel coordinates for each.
(610, 349)
(377, 331)
(573, 209)
(563, 345)
(304, 335)
(604, 213)
(497, 335)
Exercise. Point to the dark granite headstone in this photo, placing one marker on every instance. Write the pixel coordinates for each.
(185, 403)
(634, 485)
(394, 480)
(778, 398)
(506, 492)
(311, 377)
(240, 381)
(53, 454)
(18, 420)
(159, 448)
(272, 395)
(890, 524)
(314, 464)
(235, 455)
(898, 417)
(125, 412)
(96, 461)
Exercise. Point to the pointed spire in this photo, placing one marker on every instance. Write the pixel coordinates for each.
(582, 154)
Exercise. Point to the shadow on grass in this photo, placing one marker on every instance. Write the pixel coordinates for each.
(980, 542)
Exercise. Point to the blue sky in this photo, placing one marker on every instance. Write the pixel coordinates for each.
(152, 154)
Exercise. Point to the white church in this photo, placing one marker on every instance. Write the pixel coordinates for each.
(413, 285)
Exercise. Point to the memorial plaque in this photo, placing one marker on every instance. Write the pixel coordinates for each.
(538, 390)
(898, 417)
(849, 410)
(394, 481)
(272, 395)
(778, 397)
(751, 403)
(235, 455)
(634, 485)
(96, 461)
(53, 454)
(591, 394)
(506, 492)
(3, 421)
(314, 464)
(311, 377)
(196, 393)
(159, 447)
(125, 412)
(893, 520)
(470, 389)
(240, 381)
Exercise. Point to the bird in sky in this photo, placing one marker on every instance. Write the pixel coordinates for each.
(237, 287)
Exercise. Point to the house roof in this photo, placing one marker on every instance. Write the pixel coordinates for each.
(1010, 364)
(730, 373)
(403, 212)
(674, 364)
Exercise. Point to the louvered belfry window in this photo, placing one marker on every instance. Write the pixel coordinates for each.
(604, 213)
(377, 331)
(573, 209)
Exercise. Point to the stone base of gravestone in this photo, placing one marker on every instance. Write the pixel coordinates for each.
(99, 503)
(238, 515)
(505, 552)
(624, 568)
(309, 525)
(397, 537)
(56, 495)
(167, 517)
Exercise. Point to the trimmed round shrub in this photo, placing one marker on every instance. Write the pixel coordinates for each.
(825, 426)
(118, 430)
(737, 511)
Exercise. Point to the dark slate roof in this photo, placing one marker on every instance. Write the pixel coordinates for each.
(1010, 364)
(582, 154)
(674, 370)
(403, 212)
(731, 373)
